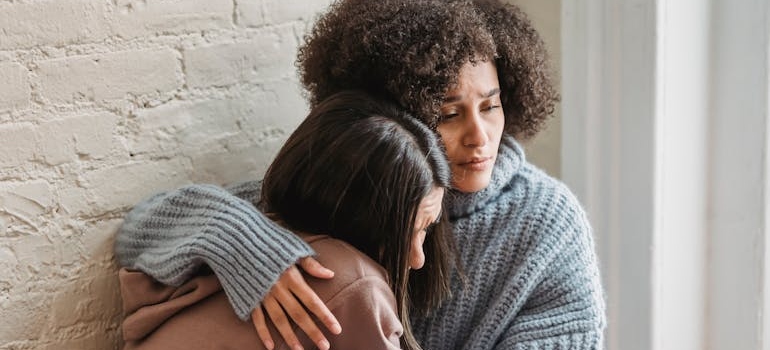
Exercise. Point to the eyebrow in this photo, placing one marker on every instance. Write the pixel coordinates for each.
(456, 98)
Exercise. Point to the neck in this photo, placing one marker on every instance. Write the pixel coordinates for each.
(510, 158)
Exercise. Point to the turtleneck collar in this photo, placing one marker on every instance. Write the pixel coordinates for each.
(510, 158)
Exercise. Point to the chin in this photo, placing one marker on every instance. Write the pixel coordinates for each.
(470, 186)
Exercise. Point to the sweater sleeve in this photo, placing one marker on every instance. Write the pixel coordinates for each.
(566, 307)
(172, 234)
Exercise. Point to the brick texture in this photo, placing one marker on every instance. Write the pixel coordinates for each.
(15, 90)
(108, 76)
(268, 56)
(103, 103)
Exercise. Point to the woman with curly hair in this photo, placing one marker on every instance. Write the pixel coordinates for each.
(477, 73)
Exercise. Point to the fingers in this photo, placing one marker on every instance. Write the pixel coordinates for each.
(308, 296)
(312, 302)
(258, 318)
(314, 268)
(290, 299)
(281, 323)
(299, 315)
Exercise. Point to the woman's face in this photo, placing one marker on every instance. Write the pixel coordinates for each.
(427, 214)
(472, 125)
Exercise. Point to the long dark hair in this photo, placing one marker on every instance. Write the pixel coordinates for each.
(357, 169)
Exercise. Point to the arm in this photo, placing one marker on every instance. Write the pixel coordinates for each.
(172, 234)
(566, 308)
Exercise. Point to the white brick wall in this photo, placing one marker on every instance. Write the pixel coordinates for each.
(101, 104)
(269, 55)
(108, 76)
(14, 92)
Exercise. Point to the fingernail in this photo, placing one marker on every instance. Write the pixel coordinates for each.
(269, 345)
(297, 347)
(336, 328)
(324, 345)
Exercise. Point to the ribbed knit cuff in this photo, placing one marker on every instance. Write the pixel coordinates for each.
(170, 235)
(247, 251)
(249, 267)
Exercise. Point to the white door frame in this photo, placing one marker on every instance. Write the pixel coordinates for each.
(665, 141)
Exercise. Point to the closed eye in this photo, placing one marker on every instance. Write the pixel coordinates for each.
(448, 116)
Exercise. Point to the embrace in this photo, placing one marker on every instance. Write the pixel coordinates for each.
(401, 213)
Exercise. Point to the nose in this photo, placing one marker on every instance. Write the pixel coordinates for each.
(474, 134)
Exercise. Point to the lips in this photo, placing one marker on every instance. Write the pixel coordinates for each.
(476, 163)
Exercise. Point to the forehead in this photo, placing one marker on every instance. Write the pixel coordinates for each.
(475, 77)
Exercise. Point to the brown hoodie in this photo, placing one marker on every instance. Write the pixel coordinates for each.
(197, 314)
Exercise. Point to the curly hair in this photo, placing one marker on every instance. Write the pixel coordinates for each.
(411, 51)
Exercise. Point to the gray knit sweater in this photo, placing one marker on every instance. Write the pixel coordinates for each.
(532, 280)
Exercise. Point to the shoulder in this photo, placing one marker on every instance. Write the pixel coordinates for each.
(359, 296)
(544, 195)
(545, 213)
(351, 266)
(528, 188)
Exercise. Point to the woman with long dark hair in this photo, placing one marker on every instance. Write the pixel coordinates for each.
(362, 183)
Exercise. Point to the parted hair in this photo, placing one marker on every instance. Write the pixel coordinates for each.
(412, 51)
(357, 169)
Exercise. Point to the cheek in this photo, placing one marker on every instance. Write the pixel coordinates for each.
(444, 132)
(496, 124)
(500, 125)
(449, 137)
